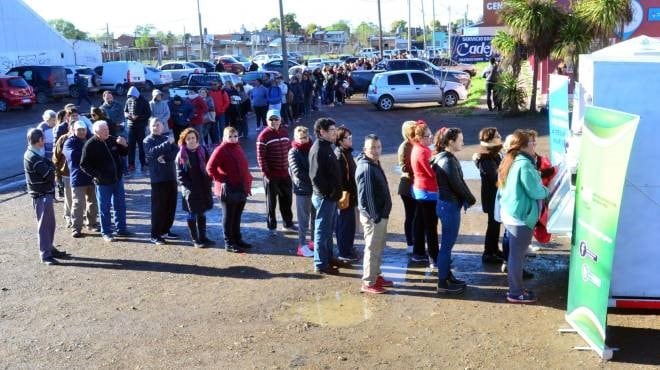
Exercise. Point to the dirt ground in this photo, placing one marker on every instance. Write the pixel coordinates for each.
(130, 304)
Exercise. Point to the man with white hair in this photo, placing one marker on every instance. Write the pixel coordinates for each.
(101, 159)
(137, 113)
(46, 126)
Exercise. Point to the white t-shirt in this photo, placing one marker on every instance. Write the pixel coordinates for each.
(285, 89)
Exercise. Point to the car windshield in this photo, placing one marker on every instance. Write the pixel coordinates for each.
(151, 69)
(17, 82)
(203, 79)
(190, 65)
(241, 58)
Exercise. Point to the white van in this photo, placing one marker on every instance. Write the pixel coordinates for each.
(119, 76)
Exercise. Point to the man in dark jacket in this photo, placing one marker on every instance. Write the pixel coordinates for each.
(161, 151)
(181, 112)
(101, 159)
(137, 113)
(326, 183)
(40, 180)
(492, 74)
(375, 204)
(83, 194)
(272, 155)
(82, 85)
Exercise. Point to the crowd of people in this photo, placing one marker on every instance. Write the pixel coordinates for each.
(89, 159)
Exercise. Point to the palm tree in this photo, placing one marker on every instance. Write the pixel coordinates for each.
(572, 40)
(536, 23)
(511, 50)
(604, 16)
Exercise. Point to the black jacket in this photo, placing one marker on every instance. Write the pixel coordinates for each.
(374, 201)
(138, 107)
(39, 174)
(156, 146)
(299, 172)
(345, 158)
(324, 170)
(195, 183)
(487, 164)
(449, 175)
(102, 160)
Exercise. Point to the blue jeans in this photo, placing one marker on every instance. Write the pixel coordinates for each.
(323, 228)
(345, 231)
(450, 218)
(216, 129)
(112, 195)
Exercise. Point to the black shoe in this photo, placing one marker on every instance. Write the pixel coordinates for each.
(157, 240)
(244, 245)
(50, 261)
(452, 279)
(233, 249)
(56, 253)
(76, 234)
(329, 270)
(336, 262)
(124, 233)
(207, 242)
(491, 258)
(527, 275)
(447, 287)
(170, 235)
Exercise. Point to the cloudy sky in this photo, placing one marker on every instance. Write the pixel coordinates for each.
(225, 16)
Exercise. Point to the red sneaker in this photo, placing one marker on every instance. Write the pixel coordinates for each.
(384, 283)
(373, 289)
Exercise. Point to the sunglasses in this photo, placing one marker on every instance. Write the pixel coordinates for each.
(233, 136)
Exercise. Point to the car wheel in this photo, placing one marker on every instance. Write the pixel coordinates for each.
(450, 99)
(385, 103)
(3, 106)
(120, 89)
(148, 85)
(73, 92)
(42, 98)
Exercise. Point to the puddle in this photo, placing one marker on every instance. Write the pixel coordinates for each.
(340, 310)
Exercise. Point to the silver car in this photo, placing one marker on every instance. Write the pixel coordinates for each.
(410, 86)
(181, 70)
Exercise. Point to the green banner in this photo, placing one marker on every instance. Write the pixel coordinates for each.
(605, 149)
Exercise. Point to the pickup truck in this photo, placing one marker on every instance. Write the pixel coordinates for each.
(198, 80)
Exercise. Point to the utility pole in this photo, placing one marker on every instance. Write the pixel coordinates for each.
(424, 26)
(433, 26)
(201, 35)
(449, 35)
(409, 29)
(380, 32)
(285, 56)
(108, 42)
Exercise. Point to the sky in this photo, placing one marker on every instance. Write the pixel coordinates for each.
(226, 16)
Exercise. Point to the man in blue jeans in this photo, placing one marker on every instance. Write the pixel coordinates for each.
(101, 159)
(326, 176)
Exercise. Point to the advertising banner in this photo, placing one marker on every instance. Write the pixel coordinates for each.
(471, 49)
(607, 138)
(579, 102)
(559, 128)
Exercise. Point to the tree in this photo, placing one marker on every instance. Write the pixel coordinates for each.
(290, 24)
(67, 29)
(398, 26)
(603, 16)
(340, 25)
(435, 26)
(536, 24)
(143, 38)
(364, 30)
(273, 25)
(311, 28)
(511, 50)
(572, 40)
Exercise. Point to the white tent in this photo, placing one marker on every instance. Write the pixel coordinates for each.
(27, 39)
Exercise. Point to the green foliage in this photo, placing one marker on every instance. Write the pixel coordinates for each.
(340, 25)
(311, 28)
(603, 16)
(67, 29)
(399, 26)
(291, 26)
(511, 92)
(511, 49)
(364, 30)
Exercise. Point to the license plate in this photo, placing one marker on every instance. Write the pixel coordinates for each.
(27, 101)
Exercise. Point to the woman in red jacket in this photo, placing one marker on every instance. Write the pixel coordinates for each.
(229, 168)
(425, 193)
(200, 108)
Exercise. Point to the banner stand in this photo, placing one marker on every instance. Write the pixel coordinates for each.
(606, 353)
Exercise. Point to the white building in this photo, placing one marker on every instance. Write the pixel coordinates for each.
(27, 39)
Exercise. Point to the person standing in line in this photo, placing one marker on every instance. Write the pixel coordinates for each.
(137, 113)
(405, 183)
(375, 204)
(40, 180)
(200, 108)
(195, 185)
(302, 187)
(180, 113)
(101, 159)
(308, 92)
(272, 155)
(82, 85)
(325, 174)
(487, 160)
(46, 126)
(492, 76)
(84, 202)
(62, 174)
(209, 119)
(159, 109)
(286, 104)
(425, 192)
(453, 194)
(228, 167)
(220, 105)
(520, 190)
(161, 150)
(274, 96)
(115, 114)
(345, 223)
(259, 99)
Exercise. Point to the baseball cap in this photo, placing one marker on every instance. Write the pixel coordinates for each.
(273, 113)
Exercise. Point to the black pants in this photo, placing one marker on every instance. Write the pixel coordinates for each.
(409, 205)
(163, 207)
(492, 235)
(231, 221)
(135, 139)
(490, 91)
(260, 112)
(279, 189)
(425, 227)
(286, 113)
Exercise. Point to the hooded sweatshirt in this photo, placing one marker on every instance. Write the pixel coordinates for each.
(136, 110)
(159, 108)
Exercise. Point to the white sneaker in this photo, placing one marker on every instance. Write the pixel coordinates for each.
(304, 251)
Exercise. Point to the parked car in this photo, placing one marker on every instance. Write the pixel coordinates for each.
(198, 80)
(368, 53)
(343, 57)
(46, 81)
(265, 58)
(15, 92)
(299, 69)
(315, 62)
(208, 66)
(93, 79)
(452, 64)
(276, 65)
(154, 77)
(181, 70)
(296, 57)
(412, 86)
(118, 76)
(241, 59)
(387, 54)
(232, 65)
(249, 77)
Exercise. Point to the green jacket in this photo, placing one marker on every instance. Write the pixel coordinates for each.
(522, 190)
